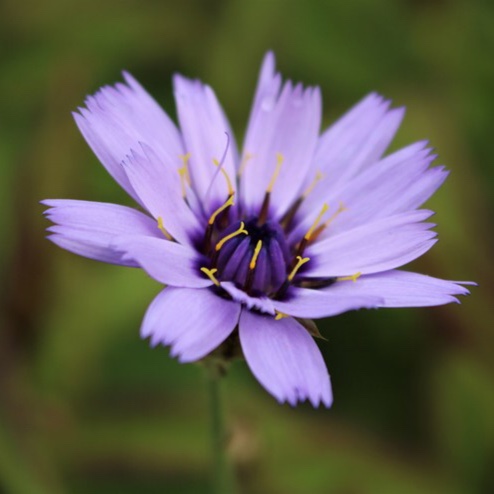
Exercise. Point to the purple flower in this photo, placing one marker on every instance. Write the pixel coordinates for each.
(298, 225)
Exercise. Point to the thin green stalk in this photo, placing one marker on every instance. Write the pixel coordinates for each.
(224, 481)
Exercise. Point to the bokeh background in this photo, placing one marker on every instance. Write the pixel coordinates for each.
(87, 407)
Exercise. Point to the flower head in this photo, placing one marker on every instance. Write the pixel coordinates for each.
(298, 225)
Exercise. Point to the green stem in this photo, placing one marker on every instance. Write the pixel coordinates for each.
(223, 474)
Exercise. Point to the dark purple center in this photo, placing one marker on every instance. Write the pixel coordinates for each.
(236, 257)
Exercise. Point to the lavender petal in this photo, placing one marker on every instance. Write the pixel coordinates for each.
(165, 261)
(285, 359)
(116, 119)
(88, 228)
(161, 194)
(206, 133)
(377, 246)
(193, 322)
(287, 123)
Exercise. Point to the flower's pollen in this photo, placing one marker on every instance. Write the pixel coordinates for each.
(280, 315)
(300, 262)
(353, 277)
(308, 235)
(287, 219)
(341, 209)
(319, 176)
(279, 162)
(240, 230)
(183, 171)
(210, 274)
(231, 190)
(253, 261)
(228, 203)
(211, 222)
(185, 158)
(263, 214)
(163, 229)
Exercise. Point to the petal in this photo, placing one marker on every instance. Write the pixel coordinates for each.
(285, 123)
(383, 190)
(285, 359)
(89, 228)
(193, 321)
(406, 289)
(167, 262)
(378, 246)
(349, 147)
(118, 118)
(419, 191)
(262, 304)
(207, 134)
(364, 113)
(358, 139)
(268, 85)
(379, 191)
(338, 298)
(161, 194)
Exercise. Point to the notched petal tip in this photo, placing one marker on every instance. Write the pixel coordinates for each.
(131, 81)
(285, 359)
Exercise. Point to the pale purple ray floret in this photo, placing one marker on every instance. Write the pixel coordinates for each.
(297, 225)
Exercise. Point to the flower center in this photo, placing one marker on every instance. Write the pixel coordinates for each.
(253, 252)
(255, 257)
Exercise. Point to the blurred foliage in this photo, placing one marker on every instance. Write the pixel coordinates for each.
(87, 407)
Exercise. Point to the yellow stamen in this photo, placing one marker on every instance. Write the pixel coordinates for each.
(184, 157)
(185, 160)
(162, 228)
(234, 234)
(253, 261)
(340, 210)
(353, 277)
(308, 235)
(280, 315)
(210, 274)
(279, 162)
(319, 176)
(322, 227)
(183, 180)
(231, 191)
(300, 262)
(183, 171)
(229, 202)
(241, 168)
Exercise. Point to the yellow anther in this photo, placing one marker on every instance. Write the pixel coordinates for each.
(241, 168)
(279, 162)
(320, 228)
(184, 169)
(210, 274)
(300, 262)
(253, 261)
(162, 228)
(231, 190)
(353, 277)
(340, 210)
(319, 176)
(229, 202)
(308, 235)
(234, 234)
(184, 179)
(185, 158)
(280, 315)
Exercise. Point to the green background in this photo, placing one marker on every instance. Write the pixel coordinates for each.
(87, 407)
